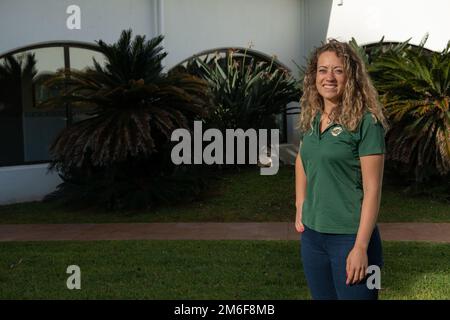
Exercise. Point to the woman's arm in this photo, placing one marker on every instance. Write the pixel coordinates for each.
(372, 167)
(300, 192)
(372, 175)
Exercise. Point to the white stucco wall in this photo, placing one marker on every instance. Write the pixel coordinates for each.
(398, 20)
(26, 183)
(25, 22)
(275, 27)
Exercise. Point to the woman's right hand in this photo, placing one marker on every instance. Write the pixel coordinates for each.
(298, 221)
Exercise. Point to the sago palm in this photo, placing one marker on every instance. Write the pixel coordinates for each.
(415, 88)
(120, 155)
(133, 106)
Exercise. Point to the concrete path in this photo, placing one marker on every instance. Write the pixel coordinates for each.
(436, 232)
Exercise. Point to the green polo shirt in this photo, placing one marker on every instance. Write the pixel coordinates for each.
(334, 189)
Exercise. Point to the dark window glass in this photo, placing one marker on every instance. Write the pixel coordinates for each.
(27, 130)
(81, 59)
(41, 126)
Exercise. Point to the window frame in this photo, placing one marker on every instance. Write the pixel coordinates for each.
(66, 45)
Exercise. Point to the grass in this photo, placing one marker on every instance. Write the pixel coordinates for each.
(235, 197)
(200, 270)
(210, 269)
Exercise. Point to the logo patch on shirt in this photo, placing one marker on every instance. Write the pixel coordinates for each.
(336, 131)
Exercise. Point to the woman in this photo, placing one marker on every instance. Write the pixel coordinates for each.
(339, 172)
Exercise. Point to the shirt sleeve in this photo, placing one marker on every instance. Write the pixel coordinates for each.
(372, 137)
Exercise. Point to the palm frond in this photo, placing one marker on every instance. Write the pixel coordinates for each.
(416, 91)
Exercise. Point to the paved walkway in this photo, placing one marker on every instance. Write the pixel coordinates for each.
(436, 232)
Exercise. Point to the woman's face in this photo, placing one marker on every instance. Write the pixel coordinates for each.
(330, 77)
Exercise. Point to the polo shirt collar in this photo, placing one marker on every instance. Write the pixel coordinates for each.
(317, 124)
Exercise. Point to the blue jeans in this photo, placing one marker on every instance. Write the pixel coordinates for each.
(324, 258)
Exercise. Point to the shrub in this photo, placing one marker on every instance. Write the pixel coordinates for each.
(120, 155)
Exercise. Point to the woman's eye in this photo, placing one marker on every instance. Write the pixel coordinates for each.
(338, 71)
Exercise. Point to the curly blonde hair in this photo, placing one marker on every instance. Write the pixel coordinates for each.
(358, 97)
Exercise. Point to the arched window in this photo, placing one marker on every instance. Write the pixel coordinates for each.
(26, 131)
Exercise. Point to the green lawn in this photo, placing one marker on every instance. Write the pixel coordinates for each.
(200, 270)
(244, 196)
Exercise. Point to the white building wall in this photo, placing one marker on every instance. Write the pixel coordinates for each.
(368, 20)
(274, 27)
(25, 22)
(26, 183)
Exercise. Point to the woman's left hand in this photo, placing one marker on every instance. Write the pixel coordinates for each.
(357, 262)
